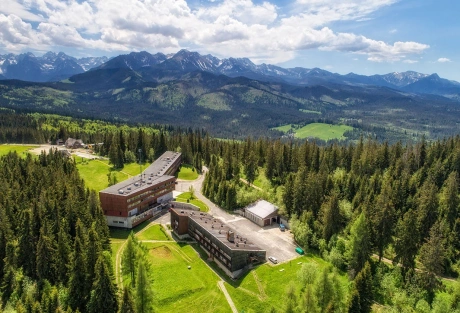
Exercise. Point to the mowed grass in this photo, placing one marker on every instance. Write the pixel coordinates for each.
(265, 286)
(153, 232)
(186, 196)
(94, 172)
(317, 130)
(5, 149)
(187, 172)
(179, 289)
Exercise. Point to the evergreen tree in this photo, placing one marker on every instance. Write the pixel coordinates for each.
(127, 303)
(46, 256)
(250, 169)
(144, 294)
(27, 244)
(78, 274)
(406, 240)
(354, 306)
(358, 250)
(330, 217)
(364, 287)
(130, 258)
(104, 293)
(433, 251)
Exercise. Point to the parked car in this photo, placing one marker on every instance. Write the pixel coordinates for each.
(273, 259)
(282, 227)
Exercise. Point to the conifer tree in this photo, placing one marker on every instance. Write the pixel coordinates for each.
(46, 256)
(144, 293)
(78, 286)
(358, 250)
(27, 245)
(104, 292)
(127, 303)
(363, 285)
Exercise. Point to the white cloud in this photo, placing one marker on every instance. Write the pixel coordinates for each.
(393, 31)
(408, 61)
(444, 60)
(239, 28)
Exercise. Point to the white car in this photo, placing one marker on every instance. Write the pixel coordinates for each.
(273, 259)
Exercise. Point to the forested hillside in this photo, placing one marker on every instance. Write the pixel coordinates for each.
(388, 215)
(394, 206)
(54, 245)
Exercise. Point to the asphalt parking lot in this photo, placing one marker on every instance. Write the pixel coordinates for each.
(270, 238)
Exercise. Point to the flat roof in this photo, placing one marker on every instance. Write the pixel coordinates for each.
(219, 230)
(262, 208)
(152, 175)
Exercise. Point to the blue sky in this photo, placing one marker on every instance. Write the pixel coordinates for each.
(360, 36)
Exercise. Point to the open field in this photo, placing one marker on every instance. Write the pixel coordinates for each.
(94, 172)
(20, 149)
(186, 196)
(154, 232)
(187, 172)
(265, 287)
(317, 130)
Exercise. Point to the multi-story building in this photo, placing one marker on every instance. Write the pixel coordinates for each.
(137, 199)
(229, 250)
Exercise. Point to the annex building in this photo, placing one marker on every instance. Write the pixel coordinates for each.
(137, 199)
(262, 212)
(233, 253)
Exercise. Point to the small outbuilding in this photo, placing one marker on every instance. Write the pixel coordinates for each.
(262, 212)
(72, 143)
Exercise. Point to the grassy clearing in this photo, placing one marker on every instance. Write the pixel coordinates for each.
(153, 232)
(265, 286)
(179, 289)
(94, 172)
(5, 149)
(186, 196)
(317, 130)
(310, 111)
(187, 172)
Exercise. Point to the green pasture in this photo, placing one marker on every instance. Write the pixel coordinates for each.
(153, 232)
(317, 130)
(5, 149)
(179, 289)
(265, 287)
(94, 172)
(187, 172)
(186, 196)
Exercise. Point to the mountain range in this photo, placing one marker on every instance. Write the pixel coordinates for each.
(234, 96)
(49, 67)
(56, 67)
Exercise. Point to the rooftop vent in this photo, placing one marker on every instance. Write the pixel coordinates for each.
(129, 188)
(121, 192)
(136, 184)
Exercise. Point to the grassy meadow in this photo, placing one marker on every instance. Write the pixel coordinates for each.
(94, 172)
(186, 196)
(20, 149)
(317, 130)
(187, 172)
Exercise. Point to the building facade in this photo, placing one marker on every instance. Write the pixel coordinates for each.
(233, 253)
(262, 212)
(139, 198)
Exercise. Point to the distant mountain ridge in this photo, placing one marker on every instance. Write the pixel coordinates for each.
(160, 68)
(186, 61)
(49, 67)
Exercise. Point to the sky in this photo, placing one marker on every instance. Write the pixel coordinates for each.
(360, 36)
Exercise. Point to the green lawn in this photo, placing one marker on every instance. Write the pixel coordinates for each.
(265, 286)
(179, 289)
(186, 196)
(5, 149)
(153, 232)
(317, 130)
(187, 172)
(94, 172)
